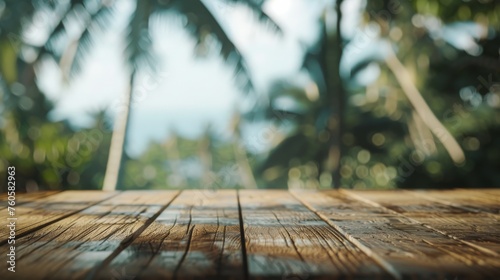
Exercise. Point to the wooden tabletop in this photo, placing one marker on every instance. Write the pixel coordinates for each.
(251, 234)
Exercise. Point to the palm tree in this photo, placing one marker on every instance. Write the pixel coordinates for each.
(200, 23)
(331, 53)
(323, 62)
(324, 146)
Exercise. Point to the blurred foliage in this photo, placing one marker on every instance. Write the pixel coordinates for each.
(460, 83)
(178, 162)
(451, 51)
(46, 154)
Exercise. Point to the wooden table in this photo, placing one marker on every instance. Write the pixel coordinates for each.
(254, 234)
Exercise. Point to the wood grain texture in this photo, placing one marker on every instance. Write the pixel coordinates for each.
(472, 228)
(470, 200)
(198, 235)
(409, 248)
(71, 247)
(22, 198)
(286, 240)
(46, 210)
(495, 192)
(254, 234)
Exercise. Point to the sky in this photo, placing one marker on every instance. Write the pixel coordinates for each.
(186, 93)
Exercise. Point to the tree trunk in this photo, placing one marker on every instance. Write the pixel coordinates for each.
(118, 139)
(422, 108)
(332, 54)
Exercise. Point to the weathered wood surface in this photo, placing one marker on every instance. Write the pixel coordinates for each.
(403, 245)
(285, 239)
(467, 227)
(255, 234)
(39, 213)
(198, 235)
(72, 247)
(25, 197)
(470, 200)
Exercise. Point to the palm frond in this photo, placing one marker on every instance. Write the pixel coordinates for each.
(14, 15)
(45, 3)
(256, 7)
(295, 146)
(48, 48)
(139, 45)
(60, 28)
(200, 22)
(98, 20)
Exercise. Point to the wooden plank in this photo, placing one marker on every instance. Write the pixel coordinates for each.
(285, 239)
(71, 247)
(495, 192)
(470, 200)
(43, 211)
(22, 198)
(476, 229)
(198, 235)
(409, 248)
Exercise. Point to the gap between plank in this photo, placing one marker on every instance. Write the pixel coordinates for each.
(378, 260)
(375, 204)
(243, 240)
(186, 251)
(58, 219)
(128, 240)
